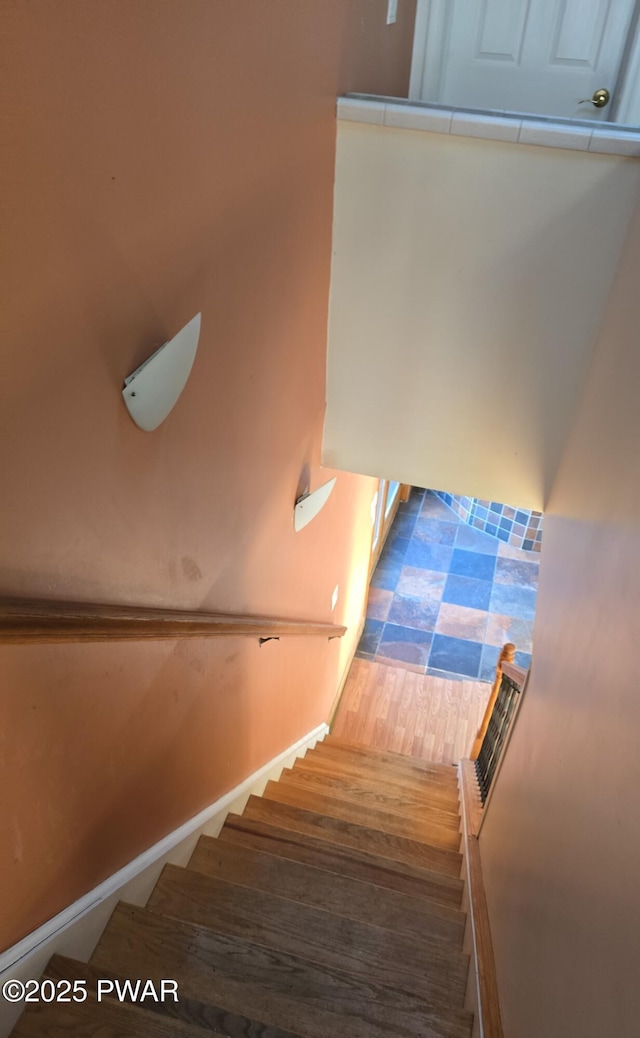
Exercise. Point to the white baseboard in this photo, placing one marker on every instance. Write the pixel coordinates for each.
(76, 930)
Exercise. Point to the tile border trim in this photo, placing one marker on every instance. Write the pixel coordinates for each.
(513, 128)
(519, 527)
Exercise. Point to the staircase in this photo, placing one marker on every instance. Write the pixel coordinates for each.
(330, 908)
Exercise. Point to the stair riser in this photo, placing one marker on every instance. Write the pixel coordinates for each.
(347, 834)
(422, 832)
(370, 795)
(445, 796)
(399, 764)
(391, 875)
(330, 891)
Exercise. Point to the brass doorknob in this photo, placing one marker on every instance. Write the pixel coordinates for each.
(599, 99)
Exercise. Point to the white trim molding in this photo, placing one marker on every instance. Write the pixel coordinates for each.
(513, 128)
(627, 99)
(76, 930)
(430, 44)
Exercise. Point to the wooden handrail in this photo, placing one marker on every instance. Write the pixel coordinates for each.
(506, 657)
(39, 620)
(517, 674)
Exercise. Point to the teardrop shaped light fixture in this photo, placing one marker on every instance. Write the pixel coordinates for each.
(152, 390)
(308, 506)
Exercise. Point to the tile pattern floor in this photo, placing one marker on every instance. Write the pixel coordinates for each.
(445, 597)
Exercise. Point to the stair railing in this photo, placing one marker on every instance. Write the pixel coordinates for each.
(40, 620)
(498, 718)
(507, 655)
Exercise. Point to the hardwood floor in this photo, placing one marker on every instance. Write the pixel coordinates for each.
(391, 708)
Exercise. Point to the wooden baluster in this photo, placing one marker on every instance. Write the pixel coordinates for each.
(506, 656)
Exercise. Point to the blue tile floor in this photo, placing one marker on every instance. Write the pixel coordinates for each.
(445, 597)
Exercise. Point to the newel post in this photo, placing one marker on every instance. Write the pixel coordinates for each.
(506, 656)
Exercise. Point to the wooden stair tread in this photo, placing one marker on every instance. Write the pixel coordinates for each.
(338, 762)
(415, 783)
(422, 831)
(334, 762)
(351, 834)
(353, 898)
(364, 865)
(412, 789)
(400, 762)
(348, 803)
(214, 1018)
(107, 1017)
(315, 1001)
(313, 934)
(372, 794)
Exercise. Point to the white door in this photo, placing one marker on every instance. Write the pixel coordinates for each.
(540, 56)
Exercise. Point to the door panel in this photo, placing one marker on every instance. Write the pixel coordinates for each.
(501, 32)
(539, 56)
(579, 32)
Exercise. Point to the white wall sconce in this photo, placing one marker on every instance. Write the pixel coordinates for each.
(308, 506)
(151, 391)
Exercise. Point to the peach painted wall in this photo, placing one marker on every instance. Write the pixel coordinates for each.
(164, 158)
(561, 842)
